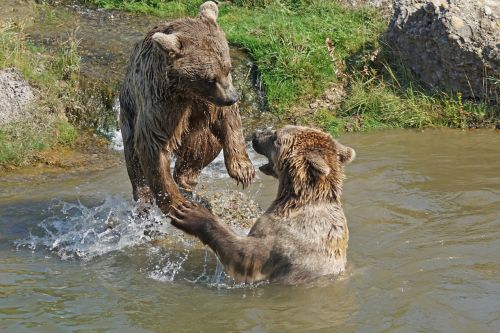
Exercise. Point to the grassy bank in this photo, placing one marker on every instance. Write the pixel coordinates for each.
(62, 108)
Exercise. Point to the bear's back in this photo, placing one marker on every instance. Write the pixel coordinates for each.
(313, 240)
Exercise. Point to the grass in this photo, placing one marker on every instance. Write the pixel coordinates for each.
(409, 108)
(288, 45)
(164, 8)
(377, 105)
(64, 105)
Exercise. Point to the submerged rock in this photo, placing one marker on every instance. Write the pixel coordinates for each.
(452, 45)
(233, 208)
(236, 209)
(15, 96)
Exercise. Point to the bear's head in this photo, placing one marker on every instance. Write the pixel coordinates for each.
(308, 163)
(197, 52)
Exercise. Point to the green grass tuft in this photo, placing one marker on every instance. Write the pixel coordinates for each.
(66, 133)
(164, 8)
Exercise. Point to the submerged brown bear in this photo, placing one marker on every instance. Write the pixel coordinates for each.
(304, 232)
(178, 98)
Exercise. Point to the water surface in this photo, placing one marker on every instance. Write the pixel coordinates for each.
(423, 213)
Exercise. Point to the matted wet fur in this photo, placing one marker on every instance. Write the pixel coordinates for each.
(178, 98)
(304, 232)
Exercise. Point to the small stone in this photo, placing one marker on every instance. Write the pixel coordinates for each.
(444, 4)
(487, 10)
(457, 22)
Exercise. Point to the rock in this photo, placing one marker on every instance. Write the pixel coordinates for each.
(234, 208)
(15, 96)
(450, 45)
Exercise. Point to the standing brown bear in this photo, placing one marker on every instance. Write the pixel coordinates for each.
(304, 233)
(178, 98)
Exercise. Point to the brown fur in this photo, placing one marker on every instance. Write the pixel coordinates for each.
(178, 98)
(304, 232)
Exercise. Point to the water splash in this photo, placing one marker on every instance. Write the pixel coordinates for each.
(77, 231)
(166, 265)
(115, 135)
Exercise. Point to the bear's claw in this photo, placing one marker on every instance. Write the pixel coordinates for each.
(242, 171)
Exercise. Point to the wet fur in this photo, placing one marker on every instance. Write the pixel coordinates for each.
(304, 232)
(167, 107)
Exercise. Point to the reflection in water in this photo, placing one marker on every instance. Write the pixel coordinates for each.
(423, 254)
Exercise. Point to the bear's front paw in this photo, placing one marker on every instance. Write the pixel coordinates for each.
(241, 170)
(190, 217)
(187, 182)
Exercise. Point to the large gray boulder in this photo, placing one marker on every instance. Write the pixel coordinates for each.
(452, 45)
(15, 96)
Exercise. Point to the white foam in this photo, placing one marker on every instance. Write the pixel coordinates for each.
(77, 231)
(116, 134)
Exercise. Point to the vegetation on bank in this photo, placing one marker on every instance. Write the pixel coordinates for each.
(63, 107)
(287, 39)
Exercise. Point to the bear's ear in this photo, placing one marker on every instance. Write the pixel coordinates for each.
(346, 154)
(317, 164)
(167, 42)
(209, 11)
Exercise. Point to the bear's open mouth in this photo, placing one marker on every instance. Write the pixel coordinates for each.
(268, 169)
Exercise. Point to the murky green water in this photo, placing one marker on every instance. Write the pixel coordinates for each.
(423, 211)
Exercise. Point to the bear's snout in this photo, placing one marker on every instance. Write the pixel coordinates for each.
(225, 95)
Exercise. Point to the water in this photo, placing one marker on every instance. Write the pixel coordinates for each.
(423, 212)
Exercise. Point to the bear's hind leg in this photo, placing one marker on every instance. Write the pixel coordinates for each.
(197, 150)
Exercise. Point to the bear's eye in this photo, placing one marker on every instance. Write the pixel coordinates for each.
(277, 143)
